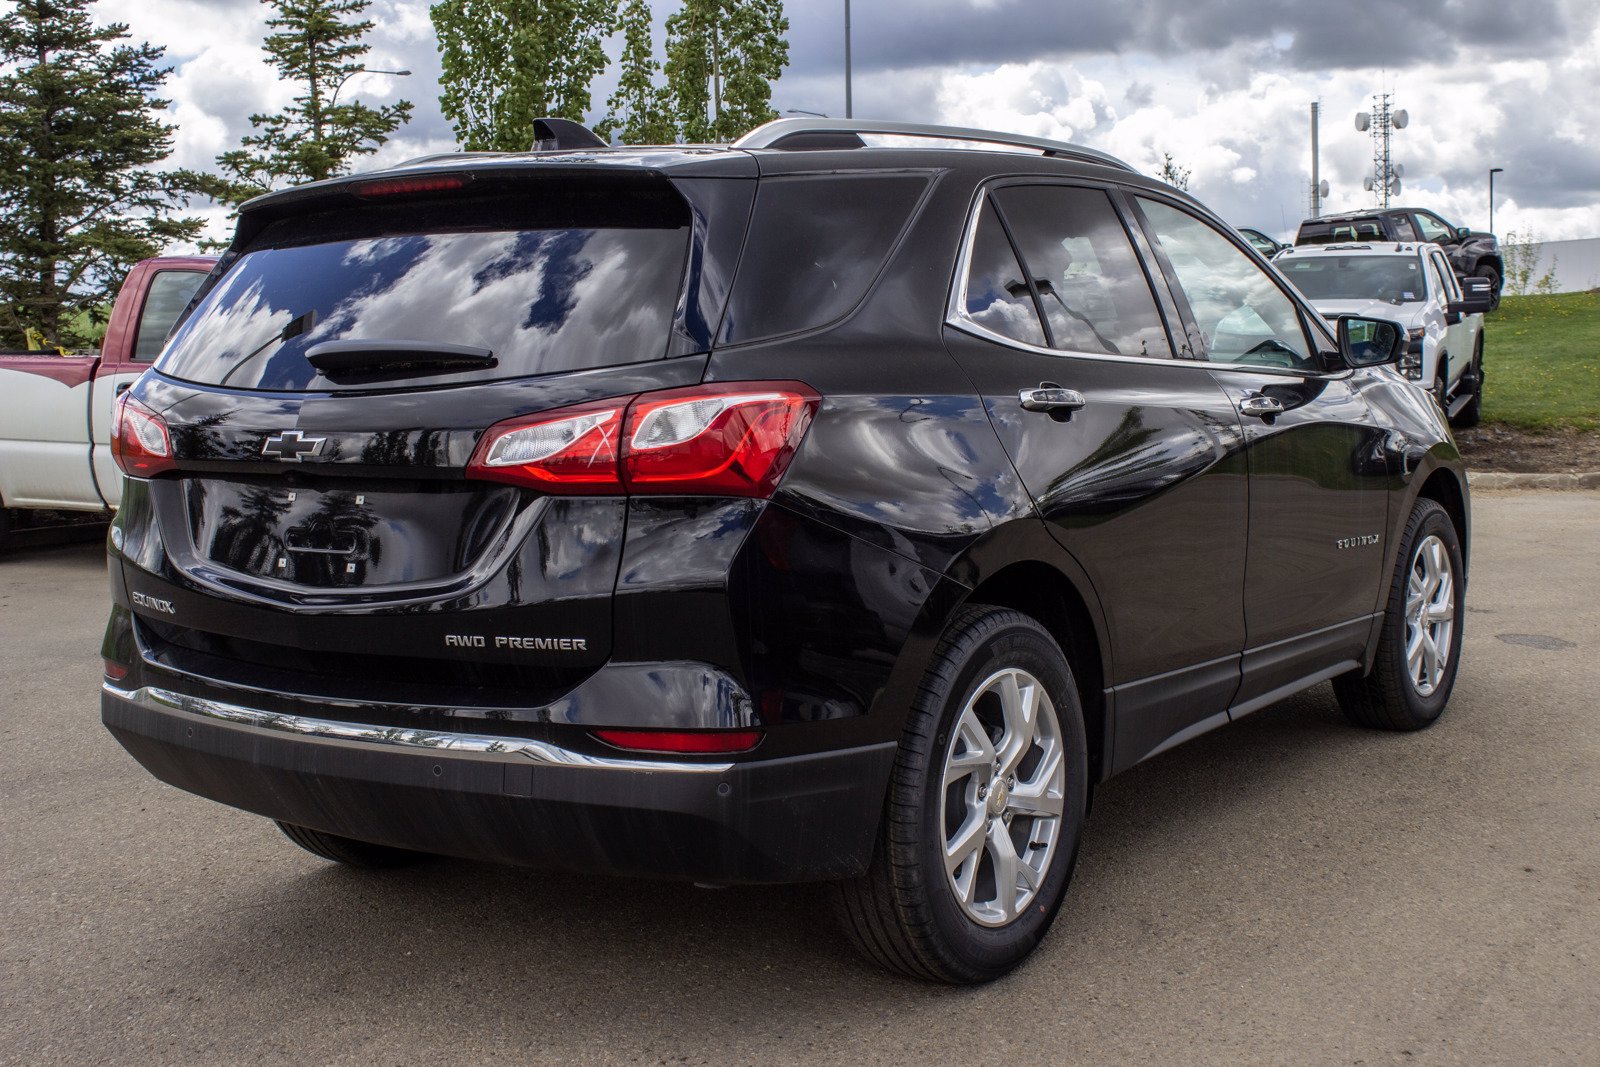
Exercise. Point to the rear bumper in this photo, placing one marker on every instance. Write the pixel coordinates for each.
(510, 800)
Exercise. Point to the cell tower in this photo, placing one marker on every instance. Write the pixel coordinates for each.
(1381, 122)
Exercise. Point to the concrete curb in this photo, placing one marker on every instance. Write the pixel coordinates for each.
(1509, 480)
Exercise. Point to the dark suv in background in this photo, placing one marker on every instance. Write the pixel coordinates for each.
(1472, 254)
(811, 508)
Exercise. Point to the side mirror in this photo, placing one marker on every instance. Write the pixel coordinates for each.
(1370, 342)
(1477, 296)
(1463, 232)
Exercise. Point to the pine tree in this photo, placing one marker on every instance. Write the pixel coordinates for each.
(316, 136)
(639, 108)
(505, 63)
(80, 138)
(722, 58)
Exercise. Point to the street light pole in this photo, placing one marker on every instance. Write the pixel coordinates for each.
(849, 111)
(1492, 172)
(334, 101)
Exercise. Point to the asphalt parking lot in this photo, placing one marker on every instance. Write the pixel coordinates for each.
(1288, 890)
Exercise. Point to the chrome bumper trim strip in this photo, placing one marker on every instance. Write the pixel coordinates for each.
(474, 745)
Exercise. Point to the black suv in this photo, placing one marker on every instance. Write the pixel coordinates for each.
(1472, 254)
(806, 509)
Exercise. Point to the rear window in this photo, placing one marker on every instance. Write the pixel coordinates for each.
(1350, 230)
(815, 244)
(548, 282)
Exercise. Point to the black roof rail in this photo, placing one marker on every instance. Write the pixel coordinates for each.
(809, 133)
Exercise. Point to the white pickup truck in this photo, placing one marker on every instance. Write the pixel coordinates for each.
(55, 411)
(1412, 284)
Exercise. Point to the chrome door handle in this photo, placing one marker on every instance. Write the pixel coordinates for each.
(1262, 407)
(1051, 397)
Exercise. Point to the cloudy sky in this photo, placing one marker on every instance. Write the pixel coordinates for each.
(1223, 85)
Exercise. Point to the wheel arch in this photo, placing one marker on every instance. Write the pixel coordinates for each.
(1447, 489)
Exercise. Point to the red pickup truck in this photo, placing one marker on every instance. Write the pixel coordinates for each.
(55, 411)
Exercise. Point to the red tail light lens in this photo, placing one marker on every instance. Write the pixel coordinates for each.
(682, 742)
(426, 183)
(140, 443)
(726, 439)
(571, 450)
(722, 439)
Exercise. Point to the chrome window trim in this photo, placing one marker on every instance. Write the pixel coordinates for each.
(473, 746)
(957, 317)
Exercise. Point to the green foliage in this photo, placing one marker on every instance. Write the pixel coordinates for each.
(1172, 174)
(722, 58)
(318, 49)
(1520, 254)
(640, 110)
(507, 62)
(1542, 362)
(80, 138)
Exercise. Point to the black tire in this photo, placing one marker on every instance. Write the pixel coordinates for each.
(5, 528)
(904, 913)
(348, 851)
(1389, 698)
(1487, 270)
(1472, 414)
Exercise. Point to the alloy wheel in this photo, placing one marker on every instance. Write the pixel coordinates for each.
(1430, 615)
(1002, 796)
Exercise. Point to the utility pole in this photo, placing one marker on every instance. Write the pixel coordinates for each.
(1492, 172)
(1316, 201)
(849, 111)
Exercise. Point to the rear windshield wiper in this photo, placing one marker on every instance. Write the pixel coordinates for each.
(392, 357)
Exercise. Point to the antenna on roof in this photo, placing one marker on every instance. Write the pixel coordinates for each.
(554, 135)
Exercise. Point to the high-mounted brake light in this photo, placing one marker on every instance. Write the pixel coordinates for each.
(682, 742)
(429, 183)
(140, 443)
(720, 439)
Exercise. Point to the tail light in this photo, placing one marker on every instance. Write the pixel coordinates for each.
(681, 742)
(721, 439)
(140, 443)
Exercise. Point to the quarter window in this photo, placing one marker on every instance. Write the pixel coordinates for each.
(997, 291)
(1243, 314)
(1092, 290)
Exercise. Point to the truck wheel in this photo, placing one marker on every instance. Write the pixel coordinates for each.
(1419, 648)
(1487, 270)
(5, 528)
(1470, 415)
(345, 850)
(985, 808)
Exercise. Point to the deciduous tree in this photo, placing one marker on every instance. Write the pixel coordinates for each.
(722, 58)
(81, 138)
(507, 62)
(639, 109)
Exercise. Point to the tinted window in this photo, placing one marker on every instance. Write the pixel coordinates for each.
(169, 294)
(1444, 278)
(814, 246)
(1433, 229)
(545, 285)
(997, 294)
(1094, 293)
(1397, 279)
(1240, 310)
(1403, 230)
(1327, 233)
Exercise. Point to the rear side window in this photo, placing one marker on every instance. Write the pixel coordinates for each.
(815, 244)
(1094, 293)
(547, 282)
(170, 291)
(997, 293)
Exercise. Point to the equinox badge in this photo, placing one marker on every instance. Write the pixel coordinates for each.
(291, 447)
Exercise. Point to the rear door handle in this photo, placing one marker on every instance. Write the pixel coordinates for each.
(1262, 407)
(1051, 397)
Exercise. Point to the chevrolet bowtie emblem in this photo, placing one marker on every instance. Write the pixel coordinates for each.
(291, 446)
